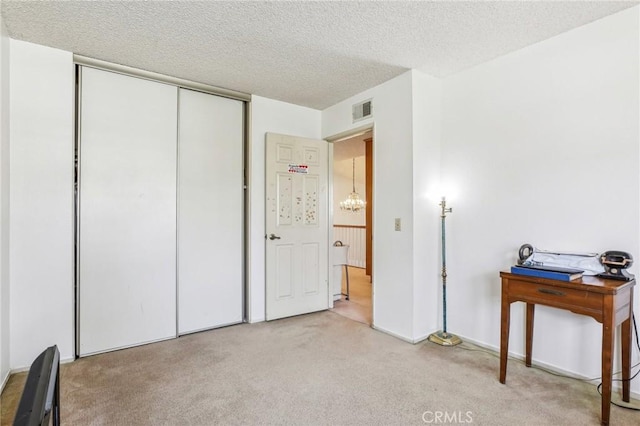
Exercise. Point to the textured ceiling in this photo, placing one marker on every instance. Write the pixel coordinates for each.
(308, 53)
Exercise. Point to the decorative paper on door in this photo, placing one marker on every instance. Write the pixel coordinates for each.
(299, 168)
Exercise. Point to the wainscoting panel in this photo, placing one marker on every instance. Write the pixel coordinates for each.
(354, 237)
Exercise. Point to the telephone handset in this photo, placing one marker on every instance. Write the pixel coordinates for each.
(615, 262)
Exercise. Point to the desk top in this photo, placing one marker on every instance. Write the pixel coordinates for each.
(588, 283)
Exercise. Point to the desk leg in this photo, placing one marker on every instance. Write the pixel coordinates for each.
(531, 308)
(627, 343)
(608, 328)
(504, 330)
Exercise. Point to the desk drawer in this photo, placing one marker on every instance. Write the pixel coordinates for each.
(580, 301)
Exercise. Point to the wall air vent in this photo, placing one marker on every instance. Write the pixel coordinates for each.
(362, 110)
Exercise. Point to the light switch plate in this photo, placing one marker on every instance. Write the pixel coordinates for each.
(398, 224)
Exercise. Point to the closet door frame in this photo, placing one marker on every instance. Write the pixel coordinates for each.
(82, 61)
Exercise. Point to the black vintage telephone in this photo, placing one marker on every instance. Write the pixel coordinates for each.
(615, 263)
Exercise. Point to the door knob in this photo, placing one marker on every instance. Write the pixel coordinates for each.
(273, 237)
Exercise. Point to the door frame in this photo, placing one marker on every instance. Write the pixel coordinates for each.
(369, 199)
(348, 134)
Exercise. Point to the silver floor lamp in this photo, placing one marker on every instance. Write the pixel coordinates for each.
(443, 337)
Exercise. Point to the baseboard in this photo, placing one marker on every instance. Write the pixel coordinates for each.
(5, 379)
(22, 369)
(391, 333)
(403, 338)
(422, 338)
(544, 365)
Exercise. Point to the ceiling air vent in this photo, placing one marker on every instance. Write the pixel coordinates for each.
(362, 110)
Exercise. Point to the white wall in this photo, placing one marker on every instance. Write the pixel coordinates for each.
(427, 189)
(4, 204)
(268, 115)
(542, 147)
(41, 202)
(394, 197)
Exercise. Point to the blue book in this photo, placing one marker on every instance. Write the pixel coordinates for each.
(551, 272)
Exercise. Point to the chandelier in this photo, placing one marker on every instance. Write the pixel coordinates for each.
(353, 203)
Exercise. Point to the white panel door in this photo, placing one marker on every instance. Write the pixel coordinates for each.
(297, 235)
(127, 213)
(210, 211)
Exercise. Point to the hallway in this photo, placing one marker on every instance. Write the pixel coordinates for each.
(358, 307)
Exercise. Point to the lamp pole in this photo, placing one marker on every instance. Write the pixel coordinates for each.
(443, 337)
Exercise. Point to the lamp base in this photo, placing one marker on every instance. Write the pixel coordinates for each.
(444, 339)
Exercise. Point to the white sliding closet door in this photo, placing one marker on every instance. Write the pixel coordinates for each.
(127, 240)
(210, 211)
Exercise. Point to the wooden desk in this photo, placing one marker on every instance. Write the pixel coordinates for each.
(609, 302)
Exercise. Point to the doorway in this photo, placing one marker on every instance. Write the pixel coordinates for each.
(352, 226)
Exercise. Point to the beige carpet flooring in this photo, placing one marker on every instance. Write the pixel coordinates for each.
(317, 369)
(358, 307)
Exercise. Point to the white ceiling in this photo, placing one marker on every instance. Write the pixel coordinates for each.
(308, 53)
